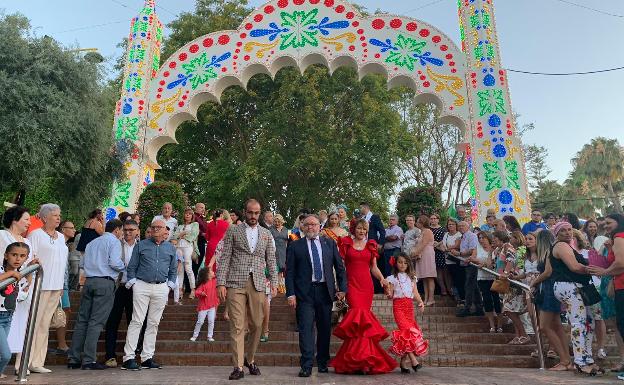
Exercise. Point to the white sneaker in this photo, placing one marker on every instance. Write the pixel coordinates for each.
(40, 369)
(602, 354)
(210, 339)
(193, 339)
(621, 376)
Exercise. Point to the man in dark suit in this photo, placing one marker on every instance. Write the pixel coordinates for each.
(311, 289)
(376, 232)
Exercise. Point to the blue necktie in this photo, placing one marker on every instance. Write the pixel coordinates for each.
(316, 260)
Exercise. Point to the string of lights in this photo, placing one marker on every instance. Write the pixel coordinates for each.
(590, 8)
(566, 73)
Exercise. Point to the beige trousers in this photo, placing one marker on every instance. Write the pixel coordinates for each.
(48, 302)
(239, 302)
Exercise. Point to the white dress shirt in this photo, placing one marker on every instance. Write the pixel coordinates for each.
(252, 236)
(127, 254)
(368, 216)
(317, 242)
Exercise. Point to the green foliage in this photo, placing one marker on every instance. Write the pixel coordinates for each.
(209, 16)
(419, 200)
(434, 158)
(55, 121)
(155, 195)
(600, 164)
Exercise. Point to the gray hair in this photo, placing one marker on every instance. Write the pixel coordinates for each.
(313, 216)
(47, 209)
(394, 216)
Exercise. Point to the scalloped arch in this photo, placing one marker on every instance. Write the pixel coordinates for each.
(301, 33)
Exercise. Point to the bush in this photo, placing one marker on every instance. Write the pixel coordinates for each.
(155, 195)
(417, 201)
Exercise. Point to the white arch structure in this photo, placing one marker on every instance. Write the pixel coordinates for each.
(468, 87)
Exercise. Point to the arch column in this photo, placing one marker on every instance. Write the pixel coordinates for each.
(142, 62)
(497, 174)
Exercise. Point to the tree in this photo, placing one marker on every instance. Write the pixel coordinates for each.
(418, 200)
(535, 163)
(154, 197)
(601, 164)
(55, 120)
(296, 141)
(434, 158)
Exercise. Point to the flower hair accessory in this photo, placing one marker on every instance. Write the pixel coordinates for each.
(392, 261)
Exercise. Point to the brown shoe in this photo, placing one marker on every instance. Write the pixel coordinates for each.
(237, 374)
(254, 370)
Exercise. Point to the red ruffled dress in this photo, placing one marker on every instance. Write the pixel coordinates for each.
(408, 337)
(360, 330)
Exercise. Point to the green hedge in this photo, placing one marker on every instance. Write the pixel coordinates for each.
(155, 195)
(419, 200)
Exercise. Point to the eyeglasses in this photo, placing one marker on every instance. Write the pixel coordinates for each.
(158, 227)
(130, 229)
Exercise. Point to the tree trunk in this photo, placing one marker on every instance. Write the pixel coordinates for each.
(615, 199)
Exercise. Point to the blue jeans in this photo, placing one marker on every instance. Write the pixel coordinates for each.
(5, 326)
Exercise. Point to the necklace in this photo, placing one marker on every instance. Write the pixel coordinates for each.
(401, 283)
(52, 236)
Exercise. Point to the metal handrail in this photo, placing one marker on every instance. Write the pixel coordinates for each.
(534, 321)
(32, 315)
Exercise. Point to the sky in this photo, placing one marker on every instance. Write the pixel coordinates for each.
(551, 36)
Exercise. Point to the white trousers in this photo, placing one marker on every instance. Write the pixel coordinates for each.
(581, 320)
(187, 252)
(145, 296)
(201, 316)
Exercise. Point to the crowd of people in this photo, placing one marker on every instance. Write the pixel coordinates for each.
(326, 264)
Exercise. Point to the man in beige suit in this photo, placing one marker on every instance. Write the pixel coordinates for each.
(248, 250)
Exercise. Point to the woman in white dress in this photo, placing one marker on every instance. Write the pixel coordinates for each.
(47, 245)
(16, 221)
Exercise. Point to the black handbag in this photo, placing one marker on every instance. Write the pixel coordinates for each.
(589, 294)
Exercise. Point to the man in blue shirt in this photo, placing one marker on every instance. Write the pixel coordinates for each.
(102, 264)
(535, 223)
(468, 253)
(152, 273)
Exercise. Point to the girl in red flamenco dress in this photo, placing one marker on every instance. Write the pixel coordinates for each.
(407, 341)
(360, 330)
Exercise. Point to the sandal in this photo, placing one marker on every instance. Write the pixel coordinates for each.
(559, 368)
(265, 337)
(499, 330)
(492, 330)
(552, 354)
(514, 341)
(523, 340)
(587, 370)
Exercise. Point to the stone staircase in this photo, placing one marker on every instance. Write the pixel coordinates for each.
(453, 341)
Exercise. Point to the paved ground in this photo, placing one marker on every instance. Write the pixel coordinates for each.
(279, 376)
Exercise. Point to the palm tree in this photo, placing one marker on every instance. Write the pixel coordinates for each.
(602, 163)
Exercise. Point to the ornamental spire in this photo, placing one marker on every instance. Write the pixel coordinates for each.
(142, 63)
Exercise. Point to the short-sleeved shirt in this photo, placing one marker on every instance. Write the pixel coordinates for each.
(171, 223)
(394, 230)
(403, 285)
(449, 241)
(469, 241)
(482, 256)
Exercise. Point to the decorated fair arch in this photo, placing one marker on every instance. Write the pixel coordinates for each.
(468, 85)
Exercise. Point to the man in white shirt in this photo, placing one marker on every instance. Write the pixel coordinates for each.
(123, 296)
(165, 216)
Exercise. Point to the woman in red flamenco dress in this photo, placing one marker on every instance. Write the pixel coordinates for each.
(360, 330)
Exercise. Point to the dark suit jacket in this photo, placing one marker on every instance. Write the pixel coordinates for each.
(299, 269)
(376, 230)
